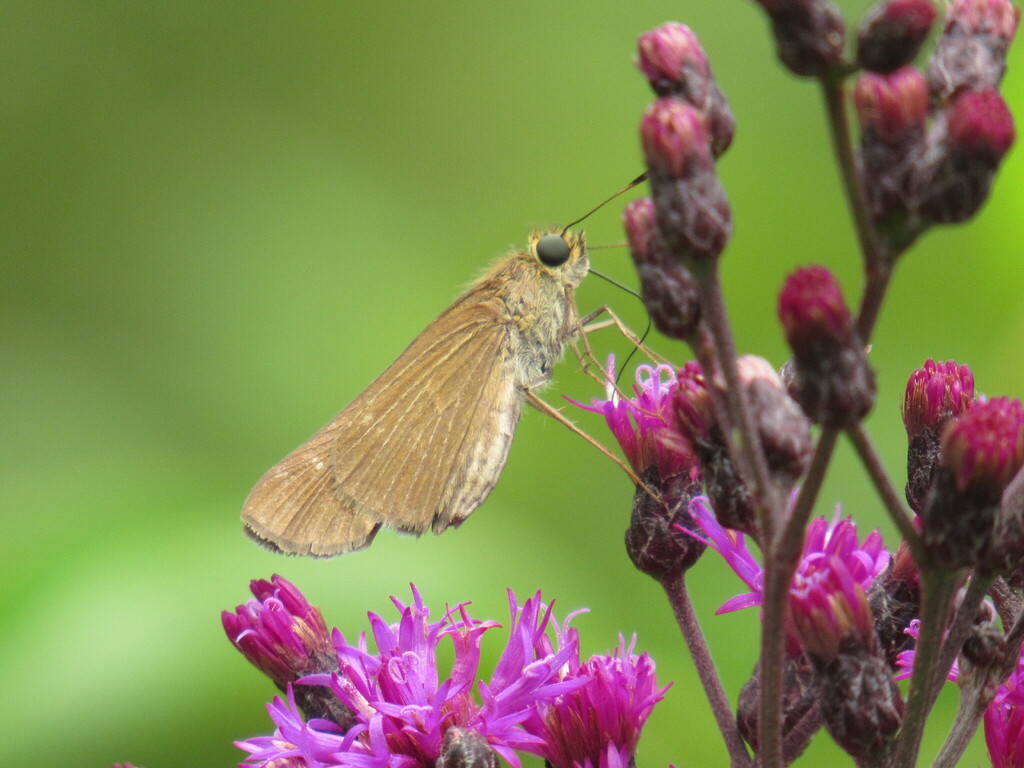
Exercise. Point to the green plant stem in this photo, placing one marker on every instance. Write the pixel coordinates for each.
(937, 587)
(686, 618)
(893, 503)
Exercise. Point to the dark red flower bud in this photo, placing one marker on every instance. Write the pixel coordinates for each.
(980, 126)
(692, 213)
(833, 382)
(984, 448)
(892, 33)
(808, 34)
(935, 393)
(892, 110)
(656, 540)
(981, 451)
(972, 50)
(675, 65)
(964, 147)
(669, 292)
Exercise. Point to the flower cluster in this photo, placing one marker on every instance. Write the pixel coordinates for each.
(541, 698)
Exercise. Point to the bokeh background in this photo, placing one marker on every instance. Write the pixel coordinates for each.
(221, 220)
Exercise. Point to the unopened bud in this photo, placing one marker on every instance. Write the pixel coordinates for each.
(675, 139)
(656, 541)
(892, 33)
(935, 393)
(891, 108)
(730, 498)
(801, 691)
(981, 451)
(808, 34)
(783, 428)
(834, 384)
(692, 212)
(971, 53)
(964, 147)
(675, 65)
(669, 291)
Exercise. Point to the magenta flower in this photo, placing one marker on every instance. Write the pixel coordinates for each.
(905, 659)
(598, 724)
(280, 632)
(1004, 722)
(403, 709)
(864, 560)
(645, 426)
(829, 611)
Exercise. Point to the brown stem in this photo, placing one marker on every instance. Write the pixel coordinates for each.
(686, 618)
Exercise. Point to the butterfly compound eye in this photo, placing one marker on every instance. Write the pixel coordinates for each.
(552, 250)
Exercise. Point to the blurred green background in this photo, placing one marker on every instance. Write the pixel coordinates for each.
(221, 220)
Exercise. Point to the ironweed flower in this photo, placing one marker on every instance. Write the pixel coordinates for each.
(286, 638)
(864, 560)
(598, 725)
(1004, 722)
(404, 711)
(829, 614)
(646, 428)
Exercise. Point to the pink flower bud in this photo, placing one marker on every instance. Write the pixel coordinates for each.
(980, 125)
(832, 380)
(892, 33)
(675, 139)
(892, 107)
(984, 447)
(669, 291)
(675, 65)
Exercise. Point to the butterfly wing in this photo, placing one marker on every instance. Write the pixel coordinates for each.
(419, 449)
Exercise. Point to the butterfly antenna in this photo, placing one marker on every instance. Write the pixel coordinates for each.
(647, 330)
(638, 180)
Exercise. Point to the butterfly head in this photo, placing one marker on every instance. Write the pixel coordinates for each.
(562, 253)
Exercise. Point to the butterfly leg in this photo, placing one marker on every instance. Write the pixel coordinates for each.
(546, 408)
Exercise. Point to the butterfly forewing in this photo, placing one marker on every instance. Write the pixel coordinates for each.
(334, 491)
